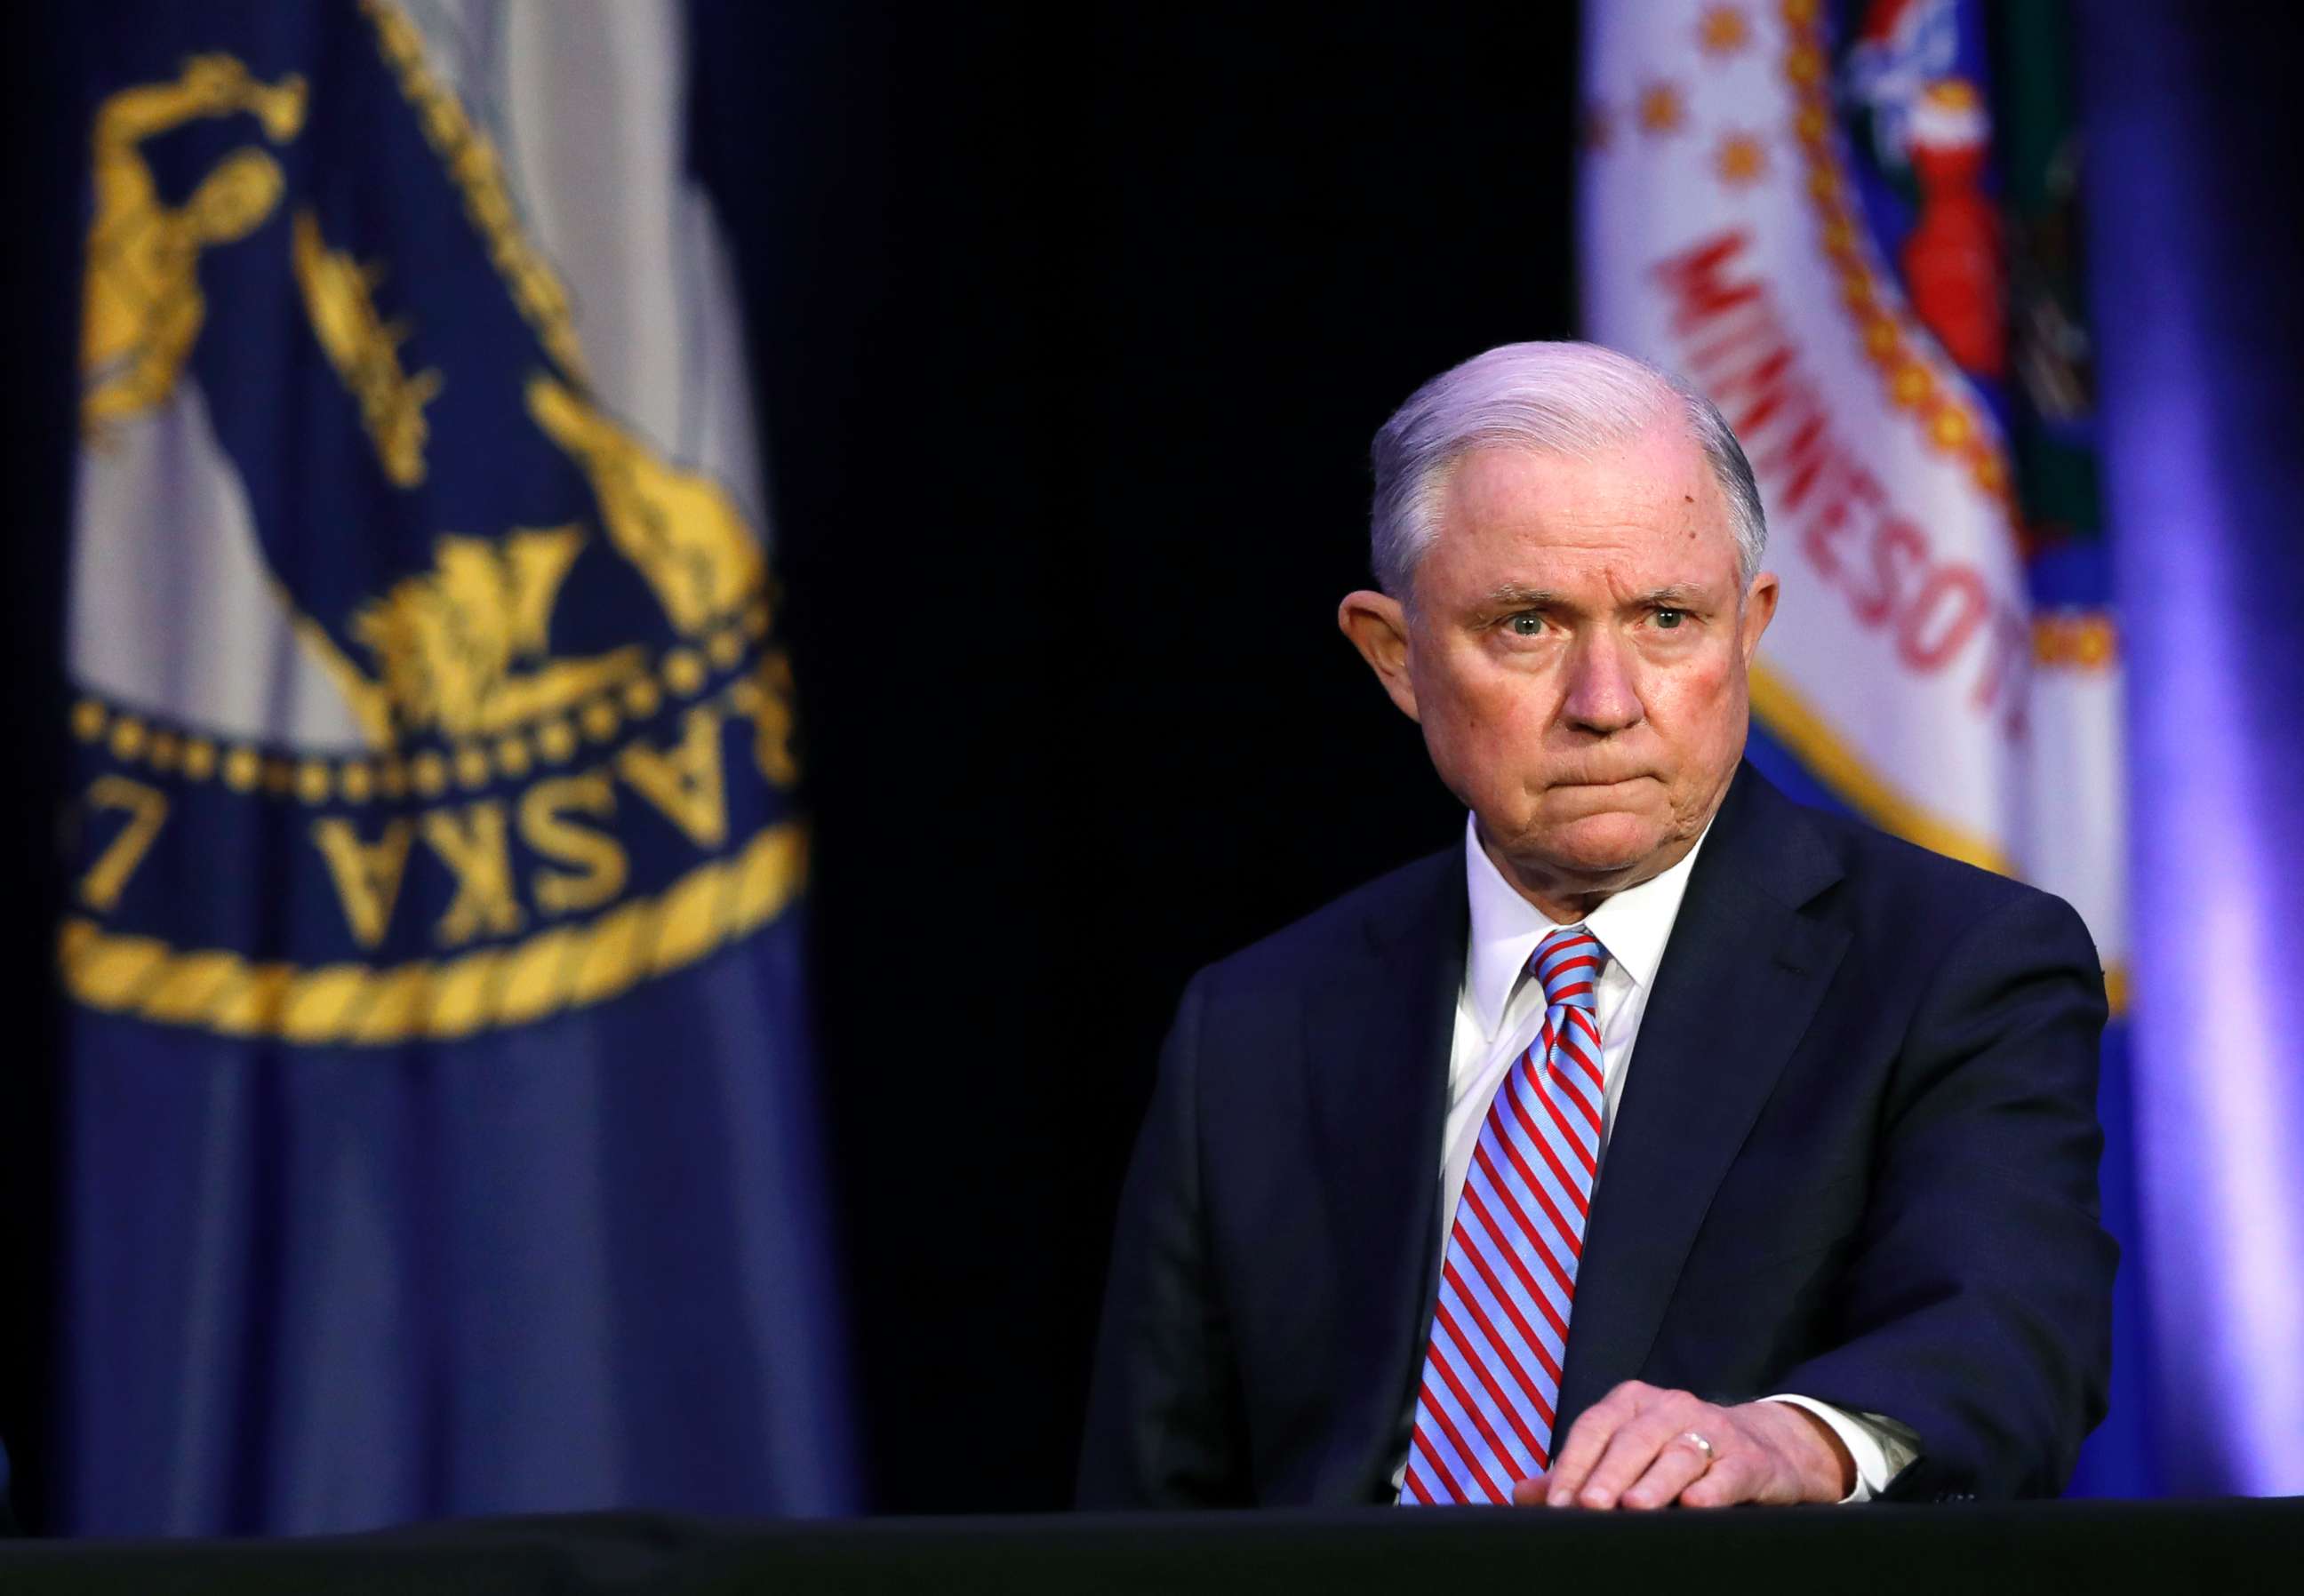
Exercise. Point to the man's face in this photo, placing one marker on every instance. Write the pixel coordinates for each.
(1577, 656)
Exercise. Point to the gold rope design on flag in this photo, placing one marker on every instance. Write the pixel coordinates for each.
(1953, 423)
(568, 967)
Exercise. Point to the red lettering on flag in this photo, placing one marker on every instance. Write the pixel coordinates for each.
(1934, 612)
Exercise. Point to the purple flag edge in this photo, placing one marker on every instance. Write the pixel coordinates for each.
(2188, 278)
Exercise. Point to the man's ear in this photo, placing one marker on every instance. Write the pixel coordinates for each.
(1760, 608)
(1378, 627)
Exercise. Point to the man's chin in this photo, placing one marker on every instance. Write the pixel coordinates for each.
(1606, 843)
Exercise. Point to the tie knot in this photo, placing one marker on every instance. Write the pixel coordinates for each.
(1567, 966)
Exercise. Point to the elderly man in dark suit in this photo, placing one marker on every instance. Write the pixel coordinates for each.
(1665, 1143)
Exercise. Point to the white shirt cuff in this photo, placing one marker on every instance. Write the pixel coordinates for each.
(1882, 1447)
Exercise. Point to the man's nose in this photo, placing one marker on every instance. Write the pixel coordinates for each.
(1601, 693)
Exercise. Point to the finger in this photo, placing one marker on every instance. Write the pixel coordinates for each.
(1738, 1476)
(1632, 1449)
(1528, 1492)
(1680, 1463)
(1572, 1461)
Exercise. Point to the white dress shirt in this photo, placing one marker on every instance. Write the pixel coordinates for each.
(1499, 1011)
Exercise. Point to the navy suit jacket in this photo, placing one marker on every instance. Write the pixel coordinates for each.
(1855, 1158)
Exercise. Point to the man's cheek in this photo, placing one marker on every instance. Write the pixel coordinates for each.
(1693, 701)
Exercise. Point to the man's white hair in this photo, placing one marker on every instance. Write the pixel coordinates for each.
(1577, 400)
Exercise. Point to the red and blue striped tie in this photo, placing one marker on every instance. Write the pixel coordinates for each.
(1492, 1371)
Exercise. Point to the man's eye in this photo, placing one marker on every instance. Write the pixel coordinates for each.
(1527, 624)
(1670, 619)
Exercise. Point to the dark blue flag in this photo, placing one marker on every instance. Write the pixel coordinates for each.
(440, 1132)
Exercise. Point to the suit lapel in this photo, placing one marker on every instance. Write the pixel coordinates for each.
(1739, 983)
(1377, 1035)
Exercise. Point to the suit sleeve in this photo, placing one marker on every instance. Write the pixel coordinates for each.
(1164, 1416)
(1979, 1308)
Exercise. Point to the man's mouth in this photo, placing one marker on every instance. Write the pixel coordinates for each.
(1589, 781)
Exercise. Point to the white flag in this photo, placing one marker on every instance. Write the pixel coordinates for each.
(1842, 305)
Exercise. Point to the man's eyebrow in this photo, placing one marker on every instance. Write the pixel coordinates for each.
(1671, 595)
(1523, 598)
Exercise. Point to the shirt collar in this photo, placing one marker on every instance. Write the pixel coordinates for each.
(1633, 926)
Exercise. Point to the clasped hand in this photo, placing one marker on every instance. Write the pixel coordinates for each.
(1631, 1449)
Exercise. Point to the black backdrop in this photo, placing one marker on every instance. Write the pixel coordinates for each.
(1072, 348)
(1071, 328)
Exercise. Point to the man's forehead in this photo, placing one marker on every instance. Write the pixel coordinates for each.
(1653, 501)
